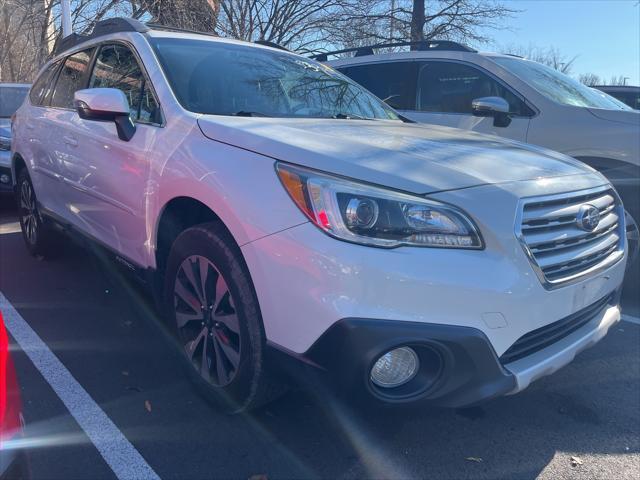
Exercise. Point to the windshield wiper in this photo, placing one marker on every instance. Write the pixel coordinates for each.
(350, 116)
(245, 113)
(405, 119)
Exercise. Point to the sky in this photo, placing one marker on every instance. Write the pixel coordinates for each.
(604, 34)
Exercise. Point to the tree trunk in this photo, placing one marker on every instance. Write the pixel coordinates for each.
(417, 22)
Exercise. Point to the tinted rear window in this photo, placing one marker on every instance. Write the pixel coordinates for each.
(394, 82)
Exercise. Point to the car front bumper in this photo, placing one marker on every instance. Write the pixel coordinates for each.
(469, 371)
(5, 169)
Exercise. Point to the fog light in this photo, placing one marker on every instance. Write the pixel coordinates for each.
(4, 178)
(395, 368)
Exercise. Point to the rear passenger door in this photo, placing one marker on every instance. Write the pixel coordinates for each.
(109, 178)
(38, 138)
(54, 129)
(447, 89)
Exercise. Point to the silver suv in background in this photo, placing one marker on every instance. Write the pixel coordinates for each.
(11, 97)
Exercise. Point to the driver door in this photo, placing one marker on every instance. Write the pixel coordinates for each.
(446, 91)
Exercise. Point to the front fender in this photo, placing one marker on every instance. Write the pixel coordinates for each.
(240, 187)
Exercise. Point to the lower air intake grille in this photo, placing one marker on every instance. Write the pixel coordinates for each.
(549, 334)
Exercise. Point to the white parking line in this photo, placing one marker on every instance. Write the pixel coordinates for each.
(629, 318)
(121, 456)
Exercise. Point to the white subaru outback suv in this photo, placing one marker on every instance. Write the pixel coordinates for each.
(285, 216)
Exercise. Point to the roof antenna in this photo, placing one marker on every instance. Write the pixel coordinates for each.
(66, 18)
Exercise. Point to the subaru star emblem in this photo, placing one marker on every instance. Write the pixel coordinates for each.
(588, 217)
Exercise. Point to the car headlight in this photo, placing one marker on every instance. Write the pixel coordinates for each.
(370, 215)
(5, 143)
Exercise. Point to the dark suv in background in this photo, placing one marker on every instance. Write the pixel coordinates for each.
(11, 97)
(625, 93)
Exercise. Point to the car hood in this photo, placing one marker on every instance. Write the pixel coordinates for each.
(628, 117)
(413, 157)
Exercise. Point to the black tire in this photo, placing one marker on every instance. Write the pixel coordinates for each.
(206, 334)
(37, 233)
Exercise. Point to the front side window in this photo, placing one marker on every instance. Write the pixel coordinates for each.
(117, 67)
(219, 78)
(71, 78)
(42, 85)
(394, 82)
(449, 87)
(557, 86)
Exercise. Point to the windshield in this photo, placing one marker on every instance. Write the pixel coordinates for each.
(557, 86)
(227, 79)
(10, 99)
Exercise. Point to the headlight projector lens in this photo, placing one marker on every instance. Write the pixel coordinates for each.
(362, 212)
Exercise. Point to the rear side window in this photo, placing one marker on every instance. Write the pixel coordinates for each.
(448, 87)
(117, 67)
(71, 78)
(42, 85)
(395, 82)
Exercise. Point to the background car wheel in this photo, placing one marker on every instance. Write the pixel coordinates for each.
(633, 239)
(38, 235)
(214, 314)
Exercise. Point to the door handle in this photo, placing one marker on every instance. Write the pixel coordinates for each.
(70, 141)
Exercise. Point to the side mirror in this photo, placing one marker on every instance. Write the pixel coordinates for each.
(106, 105)
(496, 107)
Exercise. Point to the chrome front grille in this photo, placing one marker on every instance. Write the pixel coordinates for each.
(559, 245)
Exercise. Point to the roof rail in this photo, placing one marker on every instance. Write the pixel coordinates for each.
(104, 27)
(168, 28)
(267, 43)
(424, 45)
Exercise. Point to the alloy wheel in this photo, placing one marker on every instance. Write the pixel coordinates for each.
(29, 212)
(207, 320)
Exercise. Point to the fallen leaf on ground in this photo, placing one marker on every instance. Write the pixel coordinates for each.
(575, 461)
(474, 459)
(147, 405)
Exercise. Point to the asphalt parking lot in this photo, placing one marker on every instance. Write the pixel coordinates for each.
(104, 332)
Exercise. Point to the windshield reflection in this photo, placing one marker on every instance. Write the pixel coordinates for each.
(222, 78)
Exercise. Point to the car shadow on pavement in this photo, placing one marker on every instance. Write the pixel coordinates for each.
(589, 409)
